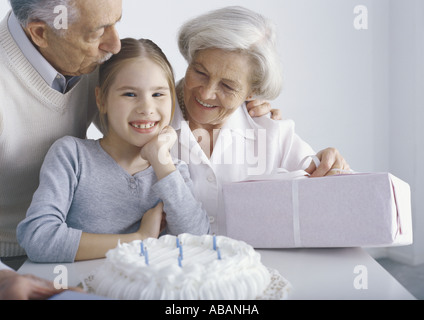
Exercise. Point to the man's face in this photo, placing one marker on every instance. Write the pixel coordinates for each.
(90, 40)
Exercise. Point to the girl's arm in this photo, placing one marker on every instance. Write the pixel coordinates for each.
(184, 214)
(95, 246)
(44, 234)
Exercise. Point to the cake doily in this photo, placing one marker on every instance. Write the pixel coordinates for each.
(278, 289)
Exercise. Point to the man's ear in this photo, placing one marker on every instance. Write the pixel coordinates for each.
(37, 32)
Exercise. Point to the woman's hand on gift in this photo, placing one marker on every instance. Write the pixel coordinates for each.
(332, 163)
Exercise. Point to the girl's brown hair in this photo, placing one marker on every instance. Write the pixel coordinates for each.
(133, 49)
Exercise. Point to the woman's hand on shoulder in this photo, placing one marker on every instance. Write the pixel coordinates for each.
(259, 108)
(332, 163)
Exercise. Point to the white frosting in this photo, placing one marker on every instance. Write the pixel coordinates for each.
(238, 275)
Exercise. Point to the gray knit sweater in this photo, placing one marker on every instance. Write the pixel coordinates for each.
(82, 189)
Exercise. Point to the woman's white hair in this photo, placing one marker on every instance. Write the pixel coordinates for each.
(238, 29)
(27, 11)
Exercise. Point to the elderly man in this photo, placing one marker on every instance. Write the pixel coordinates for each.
(49, 51)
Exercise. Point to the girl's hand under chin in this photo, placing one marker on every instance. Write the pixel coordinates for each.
(157, 152)
(160, 146)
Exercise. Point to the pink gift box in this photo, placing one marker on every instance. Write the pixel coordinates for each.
(359, 210)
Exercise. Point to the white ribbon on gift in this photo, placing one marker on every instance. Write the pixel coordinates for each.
(296, 215)
(295, 176)
(295, 200)
(295, 197)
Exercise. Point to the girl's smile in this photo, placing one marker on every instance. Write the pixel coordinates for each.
(144, 127)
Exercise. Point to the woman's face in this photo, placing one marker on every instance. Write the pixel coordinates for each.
(217, 82)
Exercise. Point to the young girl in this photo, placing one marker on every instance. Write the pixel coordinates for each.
(93, 194)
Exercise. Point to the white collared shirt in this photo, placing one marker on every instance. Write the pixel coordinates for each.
(53, 78)
(245, 148)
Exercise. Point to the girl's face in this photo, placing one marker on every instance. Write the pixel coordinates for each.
(138, 104)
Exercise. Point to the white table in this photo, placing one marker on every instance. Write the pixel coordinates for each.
(329, 274)
(315, 274)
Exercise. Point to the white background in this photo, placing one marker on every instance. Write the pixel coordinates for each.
(359, 91)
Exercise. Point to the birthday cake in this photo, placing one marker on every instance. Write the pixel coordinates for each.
(182, 268)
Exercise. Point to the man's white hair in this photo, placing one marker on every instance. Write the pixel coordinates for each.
(238, 29)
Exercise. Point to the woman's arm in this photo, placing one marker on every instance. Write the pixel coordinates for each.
(331, 161)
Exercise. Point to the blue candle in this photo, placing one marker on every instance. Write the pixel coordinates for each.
(178, 243)
(146, 256)
(142, 249)
(219, 254)
(181, 251)
(214, 243)
(180, 261)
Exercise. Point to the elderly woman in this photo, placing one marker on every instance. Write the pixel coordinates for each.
(232, 59)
